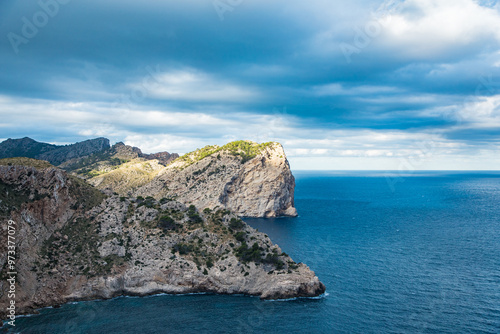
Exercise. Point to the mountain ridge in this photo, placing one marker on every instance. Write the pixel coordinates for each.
(55, 154)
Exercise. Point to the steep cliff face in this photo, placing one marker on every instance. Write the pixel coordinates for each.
(75, 244)
(249, 179)
(263, 188)
(40, 199)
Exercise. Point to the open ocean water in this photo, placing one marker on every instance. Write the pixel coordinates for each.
(420, 257)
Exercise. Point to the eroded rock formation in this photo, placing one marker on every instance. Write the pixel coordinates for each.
(75, 243)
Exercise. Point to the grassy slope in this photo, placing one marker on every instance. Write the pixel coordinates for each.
(28, 162)
(129, 175)
(247, 150)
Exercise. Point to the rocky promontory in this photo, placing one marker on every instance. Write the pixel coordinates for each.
(250, 179)
(76, 243)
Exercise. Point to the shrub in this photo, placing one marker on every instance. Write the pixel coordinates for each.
(149, 202)
(246, 254)
(183, 248)
(236, 224)
(193, 216)
(255, 254)
(240, 236)
(167, 223)
(272, 258)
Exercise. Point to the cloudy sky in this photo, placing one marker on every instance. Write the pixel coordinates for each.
(355, 84)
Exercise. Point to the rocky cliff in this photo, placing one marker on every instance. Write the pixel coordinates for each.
(251, 180)
(75, 243)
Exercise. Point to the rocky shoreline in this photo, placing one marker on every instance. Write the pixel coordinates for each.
(75, 243)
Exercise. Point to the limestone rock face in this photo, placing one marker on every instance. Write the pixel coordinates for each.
(260, 187)
(40, 201)
(73, 243)
(263, 188)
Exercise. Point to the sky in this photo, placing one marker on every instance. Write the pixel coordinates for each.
(390, 85)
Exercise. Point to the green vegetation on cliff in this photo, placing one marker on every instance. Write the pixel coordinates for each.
(86, 195)
(91, 165)
(12, 197)
(28, 162)
(247, 150)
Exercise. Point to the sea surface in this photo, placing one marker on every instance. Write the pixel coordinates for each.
(398, 253)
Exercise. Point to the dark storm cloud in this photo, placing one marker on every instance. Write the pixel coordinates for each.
(251, 57)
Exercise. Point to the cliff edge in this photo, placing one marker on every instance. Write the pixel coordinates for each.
(250, 179)
(75, 243)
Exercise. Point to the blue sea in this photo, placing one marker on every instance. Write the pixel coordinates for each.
(399, 253)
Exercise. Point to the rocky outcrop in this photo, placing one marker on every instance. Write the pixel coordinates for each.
(163, 158)
(249, 179)
(264, 187)
(75, 244)
(41, 199)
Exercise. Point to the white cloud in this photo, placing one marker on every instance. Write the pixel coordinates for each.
(193, 85)
(180, 132)
(338, 89)
(482, 113)
(426, 28)
(415, 30)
